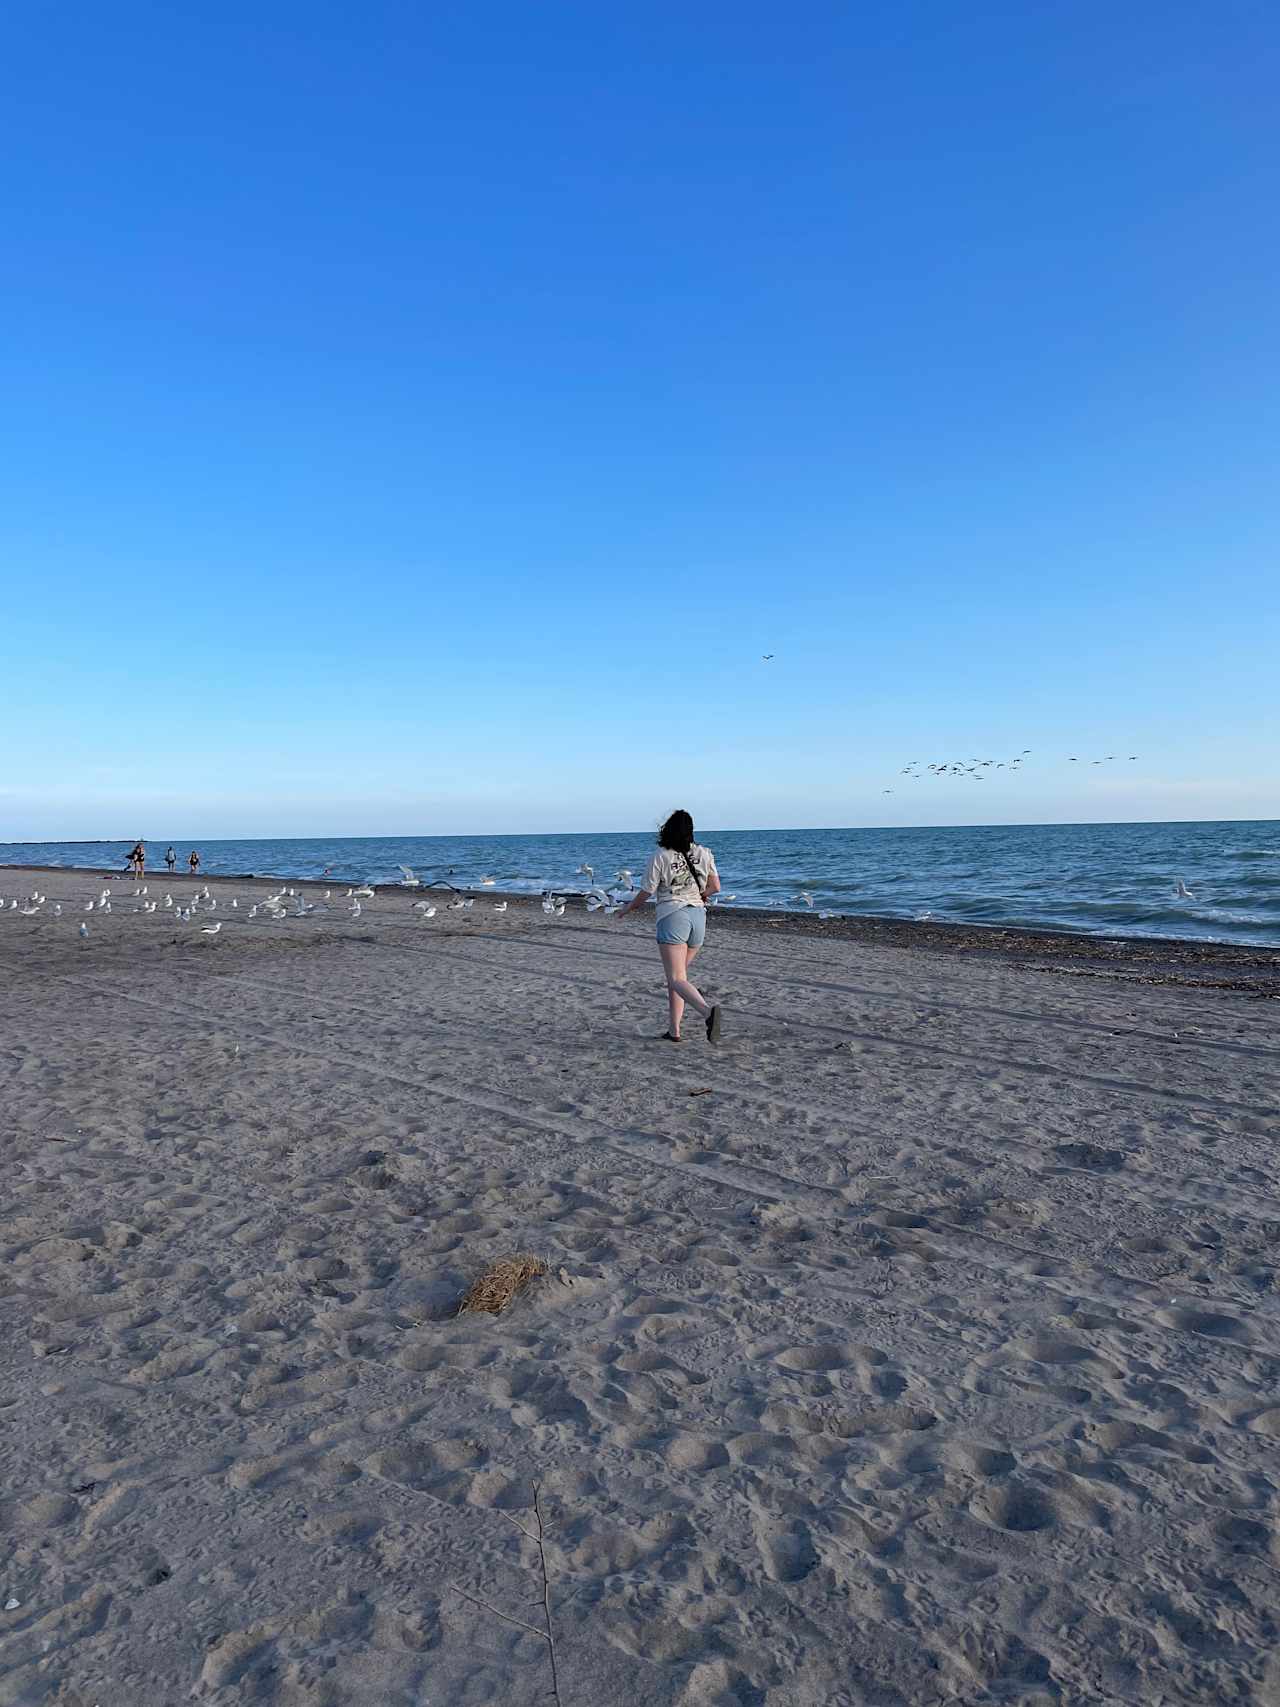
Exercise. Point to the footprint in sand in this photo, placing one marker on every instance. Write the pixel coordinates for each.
(788, 1554)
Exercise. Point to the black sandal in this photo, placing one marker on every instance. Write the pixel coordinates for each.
(713, 1025)
(668, 1038)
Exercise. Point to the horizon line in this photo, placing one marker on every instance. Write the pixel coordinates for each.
(724, 829)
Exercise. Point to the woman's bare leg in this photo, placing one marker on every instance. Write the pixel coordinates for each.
(679, 990)
(673, 964)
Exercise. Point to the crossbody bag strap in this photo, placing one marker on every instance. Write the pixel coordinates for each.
(697, 882)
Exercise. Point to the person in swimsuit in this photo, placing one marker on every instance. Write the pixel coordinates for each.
(194, 863)
(137, 859)
(681, 874)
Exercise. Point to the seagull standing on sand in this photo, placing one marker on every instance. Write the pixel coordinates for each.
(500, 906)
(210, 930)
(84, 929)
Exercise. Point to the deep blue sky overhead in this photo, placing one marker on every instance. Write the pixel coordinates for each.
(422, 418)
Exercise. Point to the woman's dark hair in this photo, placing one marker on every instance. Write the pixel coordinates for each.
(677, 833)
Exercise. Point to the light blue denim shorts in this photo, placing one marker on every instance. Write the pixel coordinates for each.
(686, 924)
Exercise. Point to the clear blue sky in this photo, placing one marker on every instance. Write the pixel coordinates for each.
(422, 418)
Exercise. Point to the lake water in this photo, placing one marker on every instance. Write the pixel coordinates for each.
(1109, 879)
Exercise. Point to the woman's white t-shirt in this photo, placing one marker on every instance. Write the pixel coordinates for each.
(667, 877)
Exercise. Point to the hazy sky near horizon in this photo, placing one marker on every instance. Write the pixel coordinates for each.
(421, 420)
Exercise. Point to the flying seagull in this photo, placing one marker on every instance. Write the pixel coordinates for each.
(765, 656)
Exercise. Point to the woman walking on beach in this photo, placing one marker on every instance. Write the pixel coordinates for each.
(682, 874)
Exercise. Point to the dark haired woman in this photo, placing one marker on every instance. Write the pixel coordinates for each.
(681, 875)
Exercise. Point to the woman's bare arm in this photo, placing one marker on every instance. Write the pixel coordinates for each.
(713, 883)
(637, 900)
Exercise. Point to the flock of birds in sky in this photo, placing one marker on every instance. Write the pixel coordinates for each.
(974, 768)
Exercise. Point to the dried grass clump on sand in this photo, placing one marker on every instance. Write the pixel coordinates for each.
(500, 1284)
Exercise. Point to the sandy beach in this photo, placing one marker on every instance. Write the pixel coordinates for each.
(919, 1344)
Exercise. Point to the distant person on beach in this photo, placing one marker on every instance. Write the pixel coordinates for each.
(171, 859)
(194, 863)
(682, 874)
(138, 858)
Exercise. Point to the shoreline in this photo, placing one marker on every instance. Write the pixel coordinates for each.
(1246, 968)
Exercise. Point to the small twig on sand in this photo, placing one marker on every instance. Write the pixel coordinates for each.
(546, 1598)
(505, 1616)
(547, 1635)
